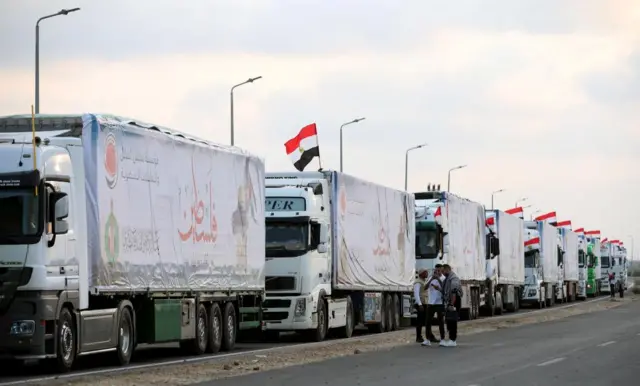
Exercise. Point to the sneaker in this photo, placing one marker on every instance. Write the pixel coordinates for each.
(426, 343)
(452, 343)
(444, 343)
(419, 340)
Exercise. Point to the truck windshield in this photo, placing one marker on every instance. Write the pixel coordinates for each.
(426, 247)
(604, 261)
(581, 258)
(19, 214)
(286, 239)
(530, 259)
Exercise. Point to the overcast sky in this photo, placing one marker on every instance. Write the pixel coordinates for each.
(540, 98)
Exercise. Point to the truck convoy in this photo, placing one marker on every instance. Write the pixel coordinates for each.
(117, 232)
(340, 252)
(505, 266)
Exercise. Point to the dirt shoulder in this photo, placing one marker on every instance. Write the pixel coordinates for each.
(190, 373)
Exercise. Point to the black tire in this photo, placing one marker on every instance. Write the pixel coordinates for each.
(320, 332)
(347, 330)
(198, 346)
(397, 324)
(66, 341)
(126, 334)
(215, 329)
(271, 336)
(229, 327)
(389, 303)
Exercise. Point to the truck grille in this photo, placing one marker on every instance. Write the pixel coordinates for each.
(280, 283)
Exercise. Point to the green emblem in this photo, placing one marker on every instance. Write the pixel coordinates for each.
(111, 237)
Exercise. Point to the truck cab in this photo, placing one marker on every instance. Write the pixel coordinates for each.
(582, 267)
(561, 290)
(607, 263)
(534, 291)
(429, 233)
(594, 274)
(298, 267)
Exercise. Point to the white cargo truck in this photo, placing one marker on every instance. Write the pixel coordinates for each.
(541, 263)
(451, 230)
(570, 262)
(505, 267)
(340, 252)
(116, 233)
(582, 264)
(606, 265)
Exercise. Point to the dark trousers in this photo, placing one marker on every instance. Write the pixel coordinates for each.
(433, 311)
(420, 321)
(613, 290)
(621, 289)
(452, 327)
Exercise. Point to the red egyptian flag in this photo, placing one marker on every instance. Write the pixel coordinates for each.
(303, 147)
(564, 224)
(548, 217)
(518, 212)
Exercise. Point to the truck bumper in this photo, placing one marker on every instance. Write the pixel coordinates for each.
(27, 327)
(531, 294)
(582, 289)
(289, 313)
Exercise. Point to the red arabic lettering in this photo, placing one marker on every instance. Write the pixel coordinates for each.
(382, 249)
(197, 217)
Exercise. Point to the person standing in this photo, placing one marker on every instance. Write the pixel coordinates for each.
(452, 299)
(435, 307)
(612, 284)
(420, 299)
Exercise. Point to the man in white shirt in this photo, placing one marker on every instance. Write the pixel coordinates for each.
(435, 305)
(420, 302)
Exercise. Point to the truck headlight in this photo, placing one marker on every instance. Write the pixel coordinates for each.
(23, 327)
(301, 307)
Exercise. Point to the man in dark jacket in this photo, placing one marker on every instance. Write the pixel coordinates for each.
(452, 297)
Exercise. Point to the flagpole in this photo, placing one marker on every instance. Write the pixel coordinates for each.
(318, 144)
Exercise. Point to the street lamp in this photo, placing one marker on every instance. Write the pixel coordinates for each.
(250, 80)
(493, 194)
(63, 12)
(449, 176)
(521, 200)
(341, 126)
(406, 163)
(534, 212)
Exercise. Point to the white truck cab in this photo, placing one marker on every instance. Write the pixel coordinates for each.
(534, 291)
(607, 258)
(582, 264)
(561, 288)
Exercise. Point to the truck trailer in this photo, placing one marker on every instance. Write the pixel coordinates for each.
(340, 252)
(451, 230)
(571, 265)
(505, 267)
(541, 263)
(117, 232)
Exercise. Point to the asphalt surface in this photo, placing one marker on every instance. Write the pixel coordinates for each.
(594, 349)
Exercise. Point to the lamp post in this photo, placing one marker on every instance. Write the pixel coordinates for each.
(406, 163)
(493, 194)
(632, 245)
(341, 126)
(521, 200)
(250, 80)
(449, 176)
(63, 12)
(534, 212)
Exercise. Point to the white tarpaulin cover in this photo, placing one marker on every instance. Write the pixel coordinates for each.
(548, 251)
(463, 221)
(570, 246)
(373, 237)
(169, 213)
(511, 259)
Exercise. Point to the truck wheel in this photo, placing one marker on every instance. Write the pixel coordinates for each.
(228, 327)
(215, 329)
(389, 303)
(347, 330)
(396, 312)
(319, 333)
(66, 341)
(198, 346)
(125, 337)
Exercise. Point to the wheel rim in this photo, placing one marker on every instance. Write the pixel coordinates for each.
(202, 330)
(230, 327)
(66, 341)
(125, 337)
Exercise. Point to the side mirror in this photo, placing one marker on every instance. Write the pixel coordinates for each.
(324, 234)
(322, 248)
(59, 204)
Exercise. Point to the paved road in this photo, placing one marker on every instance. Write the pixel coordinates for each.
(587, 350)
